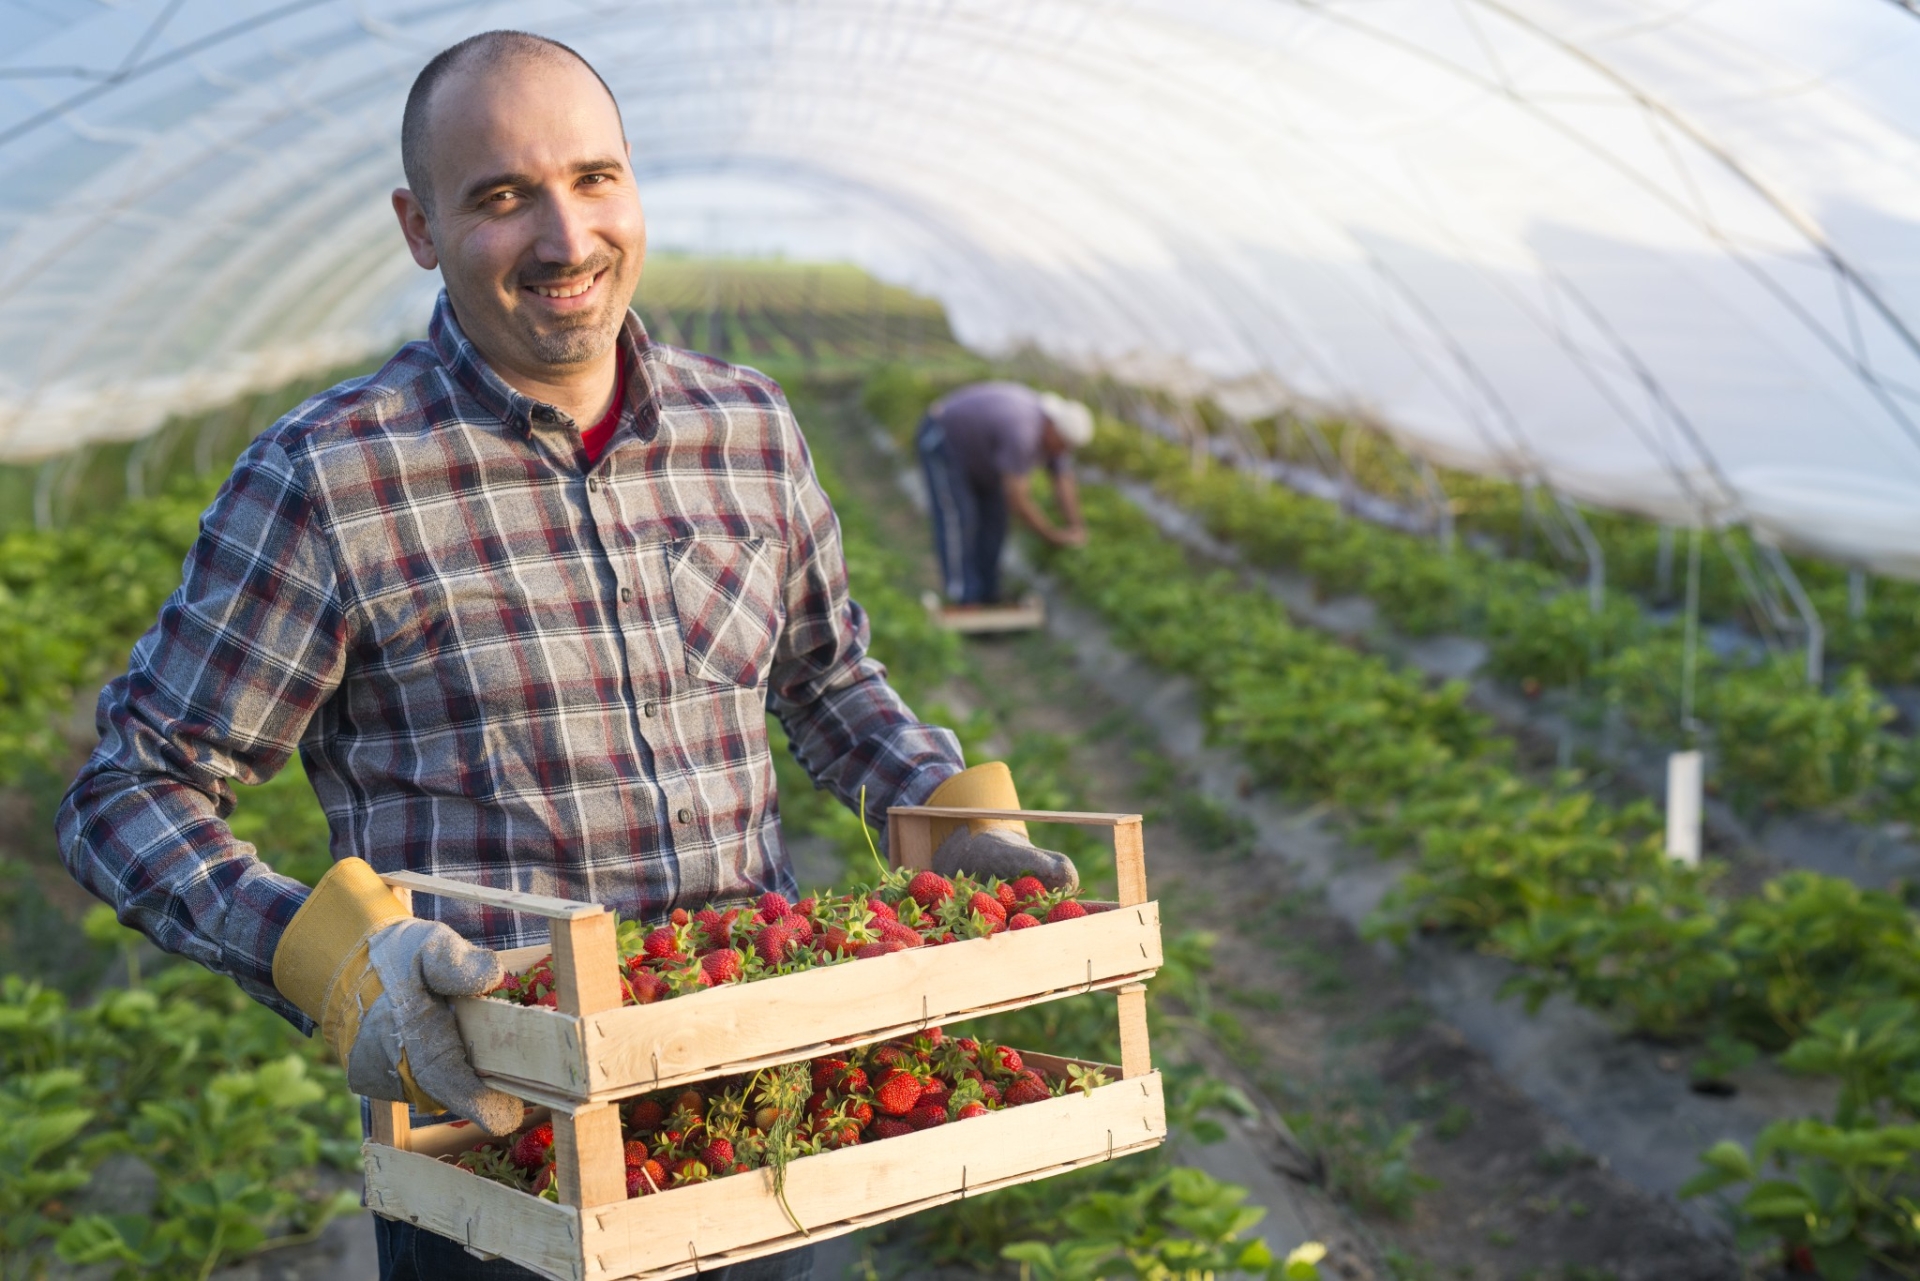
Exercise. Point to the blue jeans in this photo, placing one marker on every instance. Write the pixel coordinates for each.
(410, 1253)
(969, 522)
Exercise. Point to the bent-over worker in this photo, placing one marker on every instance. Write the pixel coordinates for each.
(521, 600)
(978, 448)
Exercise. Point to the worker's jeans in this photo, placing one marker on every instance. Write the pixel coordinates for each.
(409, 1253)
(969, 522)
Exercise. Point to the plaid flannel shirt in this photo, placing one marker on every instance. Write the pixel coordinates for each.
(498, 663)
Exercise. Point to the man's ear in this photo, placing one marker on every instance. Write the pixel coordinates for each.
(413, 225)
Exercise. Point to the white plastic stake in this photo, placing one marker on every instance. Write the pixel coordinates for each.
(1683, 807)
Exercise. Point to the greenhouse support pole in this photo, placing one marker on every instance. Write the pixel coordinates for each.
(1690, 642)
(1596, 557)
(1442, 506)
(1856, 593)
(1663, 564)
(1810, 617)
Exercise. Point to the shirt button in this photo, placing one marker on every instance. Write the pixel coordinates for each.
(626, 593)
(593, 483)
(685, 816)
(650, 711)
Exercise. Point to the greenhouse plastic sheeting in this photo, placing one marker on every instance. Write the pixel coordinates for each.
(1661, 256)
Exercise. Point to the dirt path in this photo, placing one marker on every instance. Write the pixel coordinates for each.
(1445, 1170)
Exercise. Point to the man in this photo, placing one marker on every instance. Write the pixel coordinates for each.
(978, 447)
(521, 600)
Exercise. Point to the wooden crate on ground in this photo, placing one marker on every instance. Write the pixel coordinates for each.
(595, 1232)
(592, 1048)
(1027, 614)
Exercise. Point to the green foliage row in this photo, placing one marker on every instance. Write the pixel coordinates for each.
(1885, 640)
(1577, 892)
(1775, 740)
(227, 1110)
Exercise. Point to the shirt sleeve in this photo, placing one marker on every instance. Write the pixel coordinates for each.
(846, 725)
(219, 690)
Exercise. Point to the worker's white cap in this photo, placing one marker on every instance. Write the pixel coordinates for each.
(1073, 420)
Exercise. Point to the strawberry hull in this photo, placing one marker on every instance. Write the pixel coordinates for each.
(710, 1225)
(541, 1054)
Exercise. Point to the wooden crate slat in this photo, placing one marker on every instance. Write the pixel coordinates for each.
(558, 909)
(779, 1020)
(488, 1216)
(1075, 818)
(541, 1045)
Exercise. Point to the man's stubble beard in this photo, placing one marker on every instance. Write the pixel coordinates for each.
(582, 342)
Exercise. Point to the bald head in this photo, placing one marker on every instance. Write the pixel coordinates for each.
(489, 53)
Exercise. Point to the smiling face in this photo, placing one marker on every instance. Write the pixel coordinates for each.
(536, 223)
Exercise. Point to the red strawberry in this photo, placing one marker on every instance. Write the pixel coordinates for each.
(1003, 892)
(712, 924)
(1028, 888)
(646, 1115)
(773, 943)
(550, 1000)
(722, 966)
(892, 1055)
(850, 1080)
(930, 889)
(887, 1127)
(882, 910)
(1065, 910)
(1021, 921)
(898, 1093)
(647, 987)
(936, 1096)
(717, 1155)
(692, 1102)
(1028, 1087)
(800, 927)
(646, 1178)
(866, 950)
(970, 1110)
(894, 932)
(824, 1071)
(927, 1115)
(844, 1135)
(543, 1180)
(936, 1037)
(663, 944)
(834, 942)
(533, 1147)
(805, 907)
(971, 1046)
(636, 1152)
(860, 1112)
(773, 907)
(987, 905)
(1008, 1058)
(689, 1171)
(992, 1092)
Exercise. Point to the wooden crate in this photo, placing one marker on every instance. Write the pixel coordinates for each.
(1027, 614)
(592, 1048)
(603, 1235)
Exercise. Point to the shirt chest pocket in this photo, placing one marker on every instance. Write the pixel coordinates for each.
(726, 597)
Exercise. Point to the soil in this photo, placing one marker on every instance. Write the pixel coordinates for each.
(1439, 1166)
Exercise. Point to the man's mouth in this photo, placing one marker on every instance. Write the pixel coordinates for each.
(567, 288)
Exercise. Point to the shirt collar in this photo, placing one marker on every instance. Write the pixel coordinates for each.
(477, 378)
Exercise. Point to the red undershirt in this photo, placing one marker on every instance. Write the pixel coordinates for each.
(596, 437)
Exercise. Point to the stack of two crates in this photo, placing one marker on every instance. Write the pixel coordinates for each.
(581, 1060)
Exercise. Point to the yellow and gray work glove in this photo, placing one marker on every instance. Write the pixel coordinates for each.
(377, 980)
(987, 847)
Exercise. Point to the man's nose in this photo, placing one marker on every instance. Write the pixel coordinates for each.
(565, 232)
